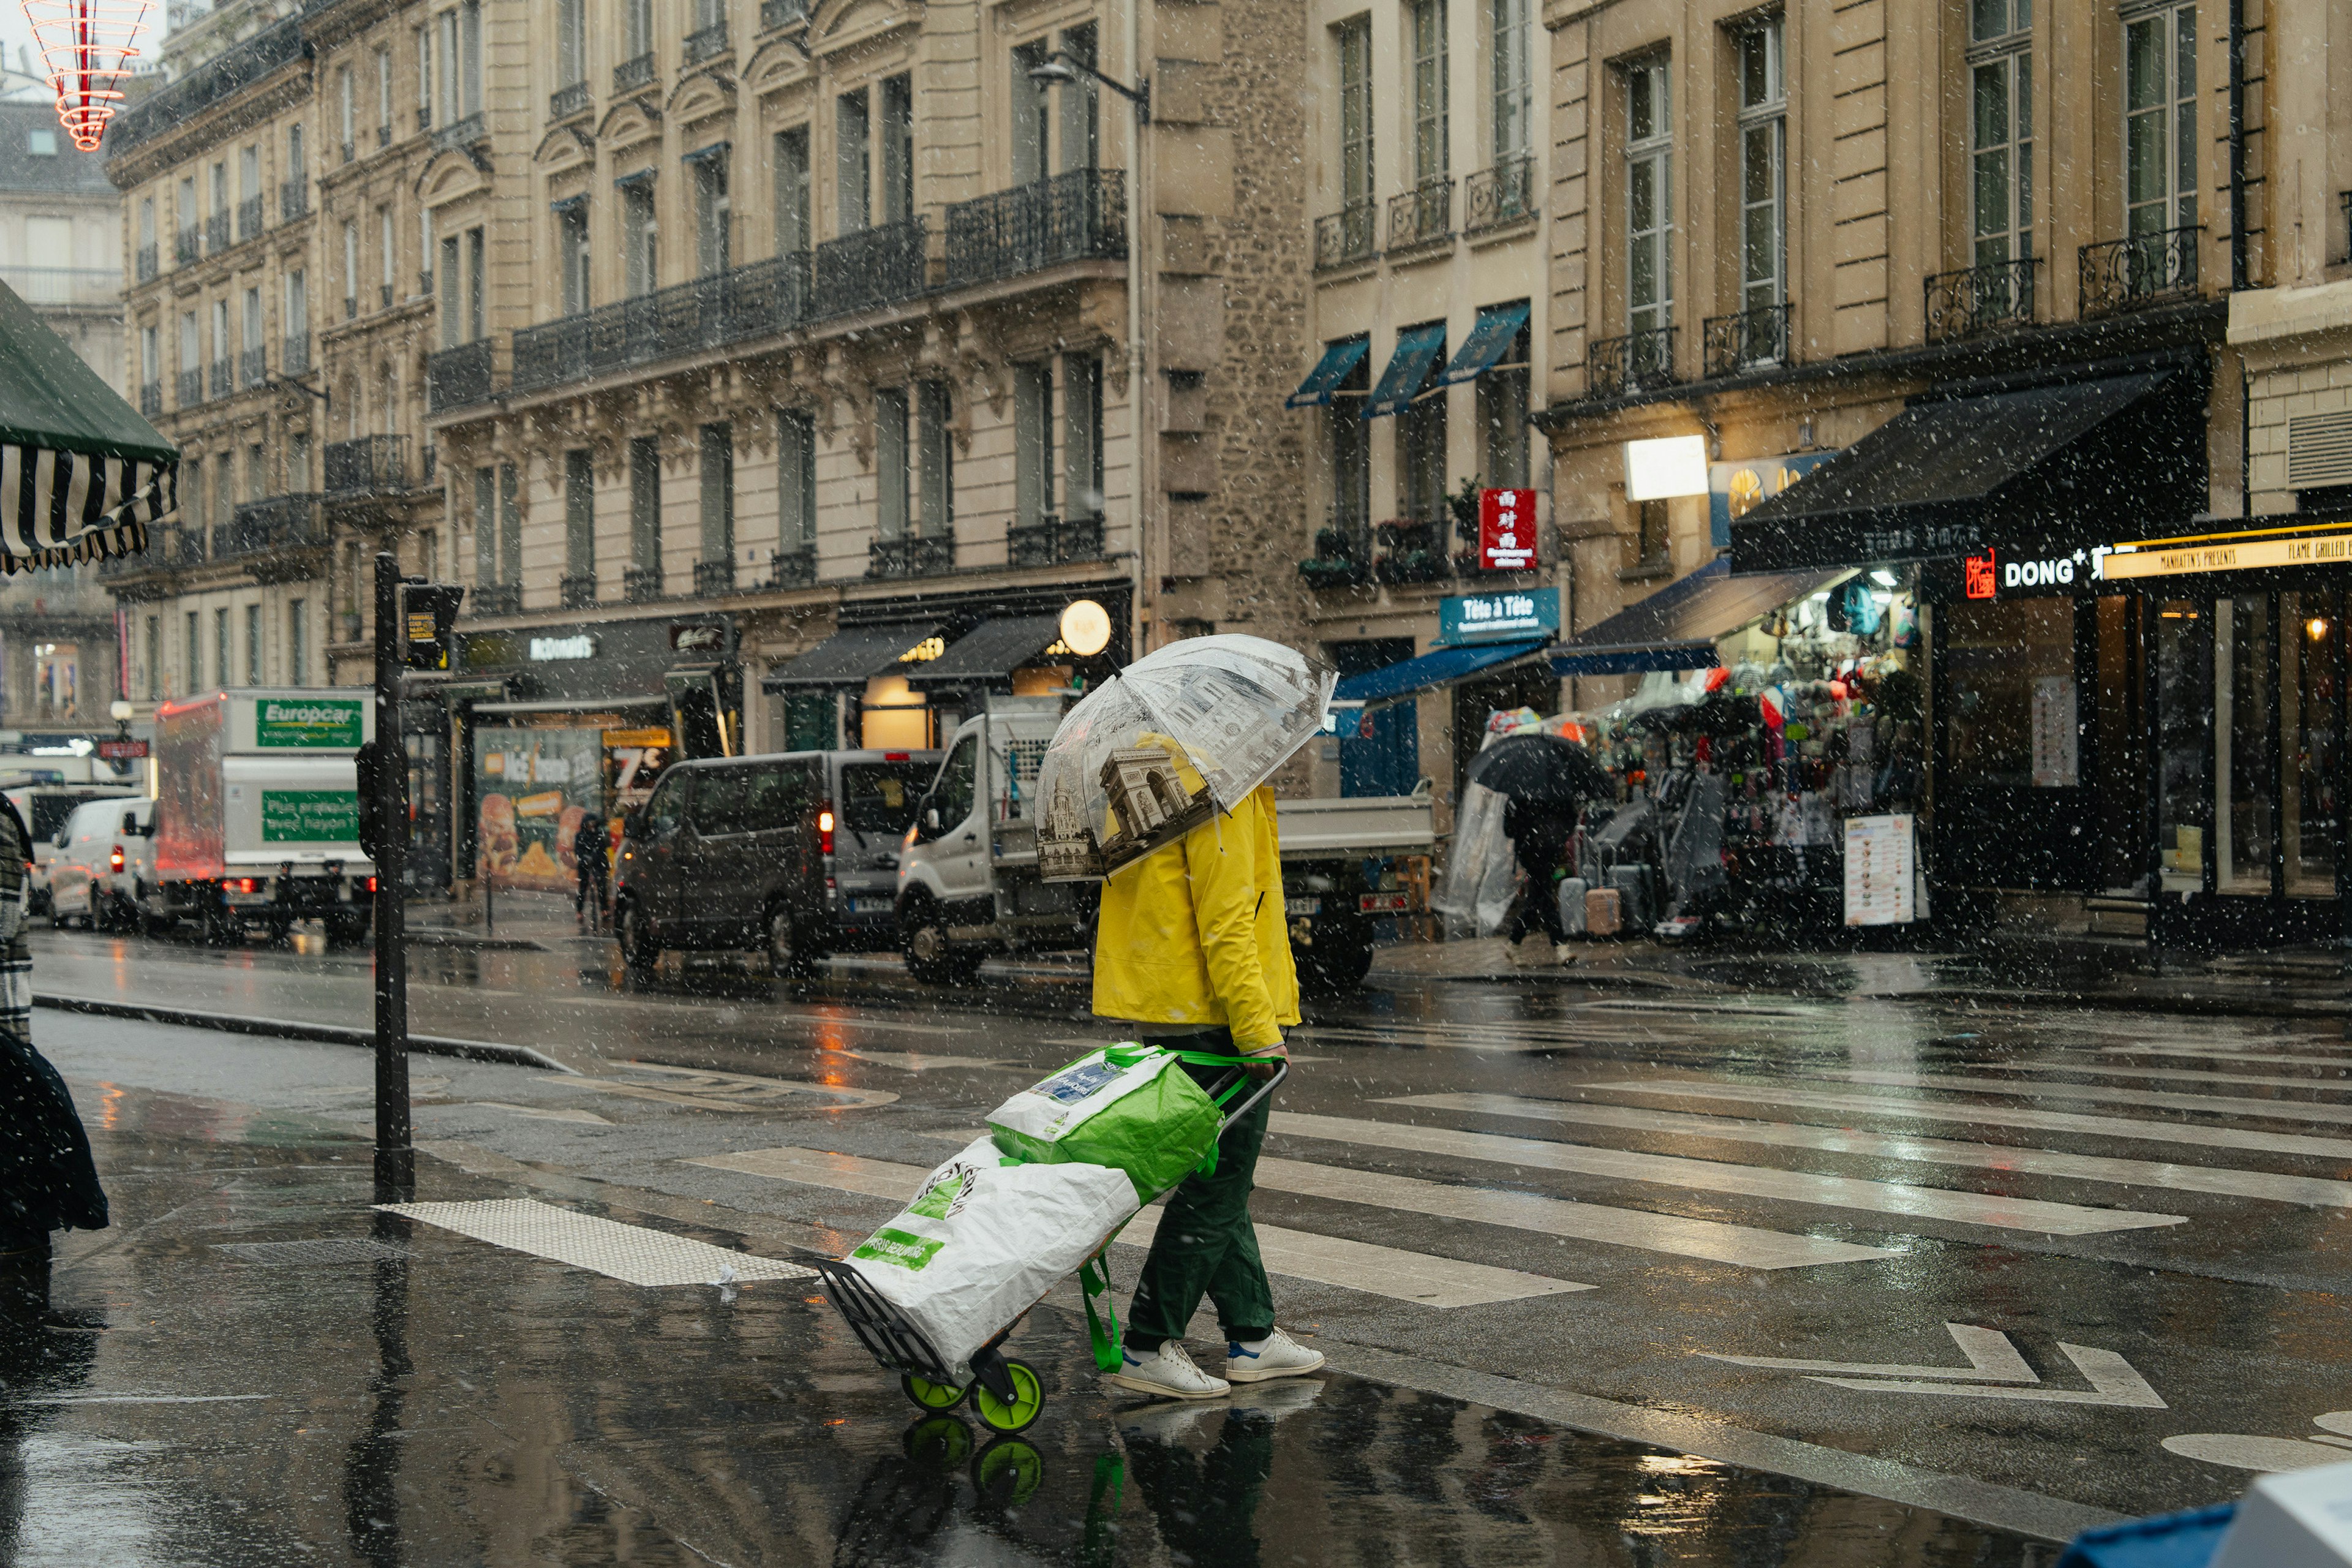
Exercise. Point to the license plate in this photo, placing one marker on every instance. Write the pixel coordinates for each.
(869, 906)
(1302, 906)
(1382, 903)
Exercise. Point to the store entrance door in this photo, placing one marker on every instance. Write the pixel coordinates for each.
(1380, 751)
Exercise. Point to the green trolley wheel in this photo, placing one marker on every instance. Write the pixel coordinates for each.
(929, 1394)
(1008, 1472)
(1028, 1400)
(938, 1442)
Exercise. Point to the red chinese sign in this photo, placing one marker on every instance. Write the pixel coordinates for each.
(1977, 578)
(1506, 531)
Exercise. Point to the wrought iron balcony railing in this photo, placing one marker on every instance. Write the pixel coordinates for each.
(294, 199)
(775, 14)
(632, 74)
(248, 217)
(1422, 215)
(1343, 552)
(186, 246)
(1346, 236)
(1054, 541)
(221, 378)
(494, 599)
(144, 266)
(793, 568)
(459, 377)
(881, 265)
(215, 232)
(1638, 362)
(252, 367)
(1973, 300)
(1077, 216)
(706, 43)
(470, 131)
(1411, 551)
(755, 301)
(1746, 339)
(270, 527)
(188, 549)
(712, 578)
(578, 590)
(189, 388)
(566, 102)
(150, 399)
(294, 353)
(2140, 269)
(367, 465)
(641, 585)
(1504, 194)
(910, 557)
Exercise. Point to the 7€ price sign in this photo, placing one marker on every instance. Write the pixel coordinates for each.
(1506, 531)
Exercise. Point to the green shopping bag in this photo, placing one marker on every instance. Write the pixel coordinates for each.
(1131, 1107)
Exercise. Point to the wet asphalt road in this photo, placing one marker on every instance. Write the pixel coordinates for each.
(2037, 1264)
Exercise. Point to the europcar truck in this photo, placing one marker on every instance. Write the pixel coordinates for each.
(968, 882)
(257, 812)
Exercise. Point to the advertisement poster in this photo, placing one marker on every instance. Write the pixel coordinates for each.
(2056, 737)
(633, 760)
(535, 787)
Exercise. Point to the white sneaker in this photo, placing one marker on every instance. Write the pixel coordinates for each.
(1169, 1372)
(1276, 1355)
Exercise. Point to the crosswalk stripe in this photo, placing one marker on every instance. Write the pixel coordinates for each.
(1710, 1176)
(2315, 1190)
(1744, 1244)
(2185, 1075)
(2215, 1104)
(1401, 1275)
(2228, 1054)
(1906, 1109)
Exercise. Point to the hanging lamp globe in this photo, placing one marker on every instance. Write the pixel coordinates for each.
(87, 47)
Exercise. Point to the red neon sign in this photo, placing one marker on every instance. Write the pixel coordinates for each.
(1978, 575)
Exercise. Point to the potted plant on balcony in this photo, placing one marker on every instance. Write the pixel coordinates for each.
(1338, 561)
(1411, 551)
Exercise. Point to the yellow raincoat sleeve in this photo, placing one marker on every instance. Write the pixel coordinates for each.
(1236, 873)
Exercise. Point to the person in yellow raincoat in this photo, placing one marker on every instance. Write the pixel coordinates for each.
(1193, 952)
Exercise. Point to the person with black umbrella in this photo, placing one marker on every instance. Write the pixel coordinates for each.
(1545, 782)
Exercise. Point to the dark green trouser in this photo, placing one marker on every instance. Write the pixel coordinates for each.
(1205, 1245)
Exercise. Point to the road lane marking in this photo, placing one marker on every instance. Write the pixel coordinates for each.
(1401, 1275)
(1903, 1107)
(1993, 1358)
(1709, 1175)
(2114, 1381)
(2185, 1075)
(635, 1253)
(2314, 1190)
(2212, 1104)
(2222, 1054)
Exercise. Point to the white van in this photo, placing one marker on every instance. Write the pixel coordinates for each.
(44, 807)
(104, 860)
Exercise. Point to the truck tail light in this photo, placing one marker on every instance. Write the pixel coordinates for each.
(370, 884)
(248, 885)
(894, 756)
(824, 827)
(114, 860)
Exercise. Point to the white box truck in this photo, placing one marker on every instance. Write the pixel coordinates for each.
(257, 812)
(968, 882)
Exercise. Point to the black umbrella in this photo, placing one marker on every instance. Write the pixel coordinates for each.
(1540, 770)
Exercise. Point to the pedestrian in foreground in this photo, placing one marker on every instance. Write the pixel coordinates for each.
(1192, 951)
(1538, 832)
(47, 1179)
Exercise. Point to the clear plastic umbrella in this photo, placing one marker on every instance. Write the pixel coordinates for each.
(1168, 743)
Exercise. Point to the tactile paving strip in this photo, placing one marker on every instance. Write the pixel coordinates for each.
(310, 1254)
(627, 1252)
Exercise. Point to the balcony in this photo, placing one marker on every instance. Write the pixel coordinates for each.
(566, 102)
(188, 550)
(910, 557)
(368, 465)
(494, 599)
(1974, 300)
(294, 353)
(222, 381)
(1411, 551)
(793, 568)
(1502, 195)
(151, 400)
(459, 377)
(871, 268)
(215, 232)
(712, 578)
(188, 389)
(706, 43)
(1053, 541)
(470, 131)
(252, 367)
(631, 75)
(2143, 269)
(1422, 215)
(1077, 216)
(144, 267)
(578, 591)
(294, 199)
(1345, 236)
(1638, 362)
(755, 301)
(186, 248)
(1748, 340)
(641, 585)
(1343, 553)
(249, 218)
(270, 527)
(775, 14)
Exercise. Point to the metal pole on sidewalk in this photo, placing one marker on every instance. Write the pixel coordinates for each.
(396, 1159)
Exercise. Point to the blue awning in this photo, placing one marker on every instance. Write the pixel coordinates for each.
(1337, 360)
(1490, 337)
(1443, 667)
(1677, 626)
(1408, 367)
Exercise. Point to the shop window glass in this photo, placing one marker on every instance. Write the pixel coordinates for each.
(2245, 747)
(2014, 719)
(2184, 676)
(2311, 718)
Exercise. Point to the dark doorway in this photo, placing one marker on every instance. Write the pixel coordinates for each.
(1475, 701)
(1380, 752)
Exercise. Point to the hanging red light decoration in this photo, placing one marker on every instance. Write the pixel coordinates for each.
(88, 47)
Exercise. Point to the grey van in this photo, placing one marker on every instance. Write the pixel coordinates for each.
(771, 854)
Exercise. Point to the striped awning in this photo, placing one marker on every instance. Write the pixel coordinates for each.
(60, 507)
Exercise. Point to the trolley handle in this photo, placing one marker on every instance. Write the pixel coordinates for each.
(1235, 1113)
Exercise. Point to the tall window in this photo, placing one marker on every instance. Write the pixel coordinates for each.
(476, 260)
(1427, 18)
(571, 42)
(2000, 129)
(221, 351)
(1649, 198)
(257, 471)
(791, 171)
(154, 658)
(350, 267)
(1420, 451)
(1082, 436)
(645, 503)
(452, 283)
(423, 78)
(640, 236)
(712, 218)
(1351, 453)
(470, 44)
(297, 304)
(2161, 119)
(191, 354)
(195, 650)
(485, 526)
(147, 223)
(348, 111)
(1032, 442)
(897, 133)
(220, 645)
(580, 513)
(571, 251)
(297, 462)
(450, 94)
(252, 340)
(1512, 113)
(295, 168)
(1763, 169)
(509, 523)
(1081, 116)
(388, 253)
(638, 27)
(298, 642)
(1503, 418)
(796, 479)
(249, 173)
(383, 96)
(851, 162)
(890, 472)
(253, 645)
(150, 366)
(1032, 113)
(1356, 111)
(188, 215)
(718, 492)
(934, 460)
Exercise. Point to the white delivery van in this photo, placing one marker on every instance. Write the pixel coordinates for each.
(105, 862)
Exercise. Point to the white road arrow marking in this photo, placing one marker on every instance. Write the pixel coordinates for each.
(1991, 1356)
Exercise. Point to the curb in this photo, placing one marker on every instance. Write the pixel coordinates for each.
(289, 1029)
(450, 936)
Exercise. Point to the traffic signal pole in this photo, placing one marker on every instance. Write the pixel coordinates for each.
(395, 1156)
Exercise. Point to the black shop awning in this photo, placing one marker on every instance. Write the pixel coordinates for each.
(2035, 471)
(987, 655)
(1677, 626)
(850, 657)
